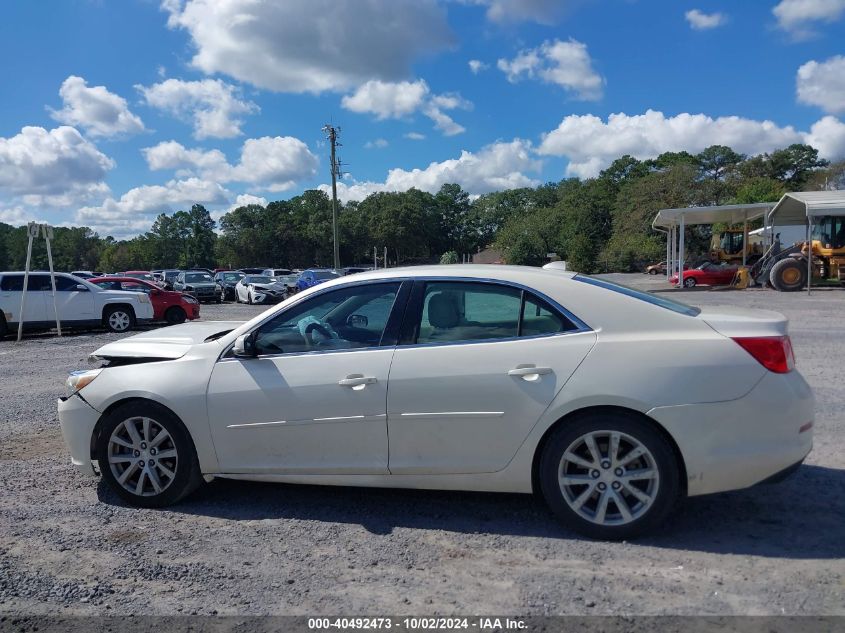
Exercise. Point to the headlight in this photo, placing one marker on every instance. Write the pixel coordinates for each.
(189, 299)
(79, 379)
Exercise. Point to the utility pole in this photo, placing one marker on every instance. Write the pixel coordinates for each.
(331, 134)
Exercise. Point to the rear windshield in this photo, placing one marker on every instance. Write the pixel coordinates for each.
(669, 304)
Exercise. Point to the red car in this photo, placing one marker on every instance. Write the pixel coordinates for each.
(168, 305)
(707, 275)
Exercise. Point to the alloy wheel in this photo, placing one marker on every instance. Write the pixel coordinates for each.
(608, 477)
(142, 456)
(119, 321)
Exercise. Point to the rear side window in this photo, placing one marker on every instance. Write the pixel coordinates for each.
(662, 302)
(467, 311)
(12, 283)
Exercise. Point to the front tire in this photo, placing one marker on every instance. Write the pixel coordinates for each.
(249, 298)
(689, 282)
(146, 455)
(175, 315)
(609, 476)
(789, 275)
(4, 328)
(119, 319)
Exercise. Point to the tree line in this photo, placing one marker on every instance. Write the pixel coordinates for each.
(597, 224)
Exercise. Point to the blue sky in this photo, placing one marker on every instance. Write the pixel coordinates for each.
(112, 111)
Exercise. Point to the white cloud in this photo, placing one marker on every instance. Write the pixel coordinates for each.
(414, 136)
(511, 11)
(590, 144)
(215, 107)
(567, 64)
(494, 167)
(271, 163)
(701, 21)
(828, 136)
(378, 143)
(396, 100)
(387, 100)
(17, 215)
(246, 199)
(823, 84)
(98, 111)
(134, 211)
(311, 45)
(59, 166)
(799, 16)
(476, 66)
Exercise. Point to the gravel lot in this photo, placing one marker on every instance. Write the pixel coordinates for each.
(68, 546)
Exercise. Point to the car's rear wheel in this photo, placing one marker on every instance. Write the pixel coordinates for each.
(653, 271)
(119, 319)
(4, 327)
(175, 315)
(146, 455)
(609, 475)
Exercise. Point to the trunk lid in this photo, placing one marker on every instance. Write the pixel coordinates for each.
(165, 343)
(744, 322)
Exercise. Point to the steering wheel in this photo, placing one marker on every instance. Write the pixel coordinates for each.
(315, 327)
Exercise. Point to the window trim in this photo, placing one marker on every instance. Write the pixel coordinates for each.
(413, 313)
(394, 320)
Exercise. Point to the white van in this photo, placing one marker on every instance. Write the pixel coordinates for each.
(79, 303)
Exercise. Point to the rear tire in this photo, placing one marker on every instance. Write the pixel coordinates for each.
(171, 471)
(621, 497)
(652, 272)
(4, 328)
(789, 275)
(119, 319)
(175, 315)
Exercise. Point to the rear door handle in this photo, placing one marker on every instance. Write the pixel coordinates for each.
(357, 381)
(529, 372)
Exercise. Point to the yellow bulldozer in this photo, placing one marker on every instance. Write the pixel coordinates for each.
(786, 269)
(726, 247)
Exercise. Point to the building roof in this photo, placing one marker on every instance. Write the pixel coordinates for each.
(797, 206)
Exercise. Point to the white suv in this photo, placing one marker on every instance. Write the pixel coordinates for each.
(80, 304)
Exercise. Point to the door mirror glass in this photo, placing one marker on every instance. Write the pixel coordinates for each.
(81, 288)
(357, 320)
(244, 346)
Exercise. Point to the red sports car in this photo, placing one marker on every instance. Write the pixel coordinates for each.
(707, 275)
(168, 305)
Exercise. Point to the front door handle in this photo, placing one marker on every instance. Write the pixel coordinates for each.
(529, 372)
(357, 381)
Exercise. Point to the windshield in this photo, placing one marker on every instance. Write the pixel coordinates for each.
(669, 304)
(260, 279)
(198, 277)
(232, 276)
(325, 274)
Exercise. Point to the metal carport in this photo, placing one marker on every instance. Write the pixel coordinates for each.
(800, 207)
(674, 221)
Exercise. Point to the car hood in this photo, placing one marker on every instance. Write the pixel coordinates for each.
(200, 284)
(163, 344)
(268, 286)
(738, 322)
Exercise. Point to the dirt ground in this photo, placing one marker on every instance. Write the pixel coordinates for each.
(68, 546)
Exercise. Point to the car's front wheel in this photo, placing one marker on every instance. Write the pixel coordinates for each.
(689, 282)
(609, 475)
(146, 455)
(175, 315)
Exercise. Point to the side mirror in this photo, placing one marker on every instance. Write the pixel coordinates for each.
(81, 288)
(357, 320)
(245, 346)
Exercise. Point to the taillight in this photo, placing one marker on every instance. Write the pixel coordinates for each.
(772, 352)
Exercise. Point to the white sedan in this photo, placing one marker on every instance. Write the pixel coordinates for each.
(612, 403)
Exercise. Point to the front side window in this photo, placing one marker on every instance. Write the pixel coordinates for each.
(347, 318)
(66, 284)
(466, 311)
